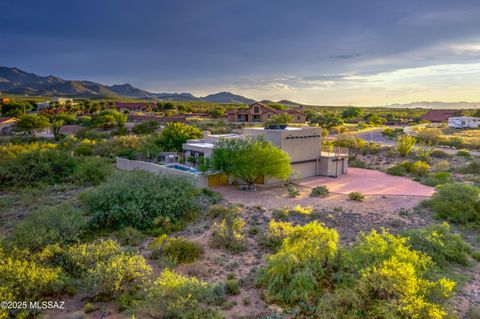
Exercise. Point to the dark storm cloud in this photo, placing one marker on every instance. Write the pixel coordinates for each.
(168, 45)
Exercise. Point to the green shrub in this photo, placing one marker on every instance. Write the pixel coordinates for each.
(457, 203)
(36, 167)
(321, 190)
(176, 296)
(439, 154)
(229, 233)
(401, 169)
(438, 242)
(276, 233)
(293, 191)
(419, 168)
(116, 275)
(92, 171)
(473, 312)
(232, 287)
(145, 127)
(357, 163)
(463, 153)
(23, 279)
(141, 200)
(356, 196)
(439, 178)
(48, 225)
(296, 272)
(405, 144)
(130, 236)
(471, 168)
(84, 150)
(176, 250)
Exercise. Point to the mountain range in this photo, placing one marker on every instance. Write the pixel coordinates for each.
(18, 82)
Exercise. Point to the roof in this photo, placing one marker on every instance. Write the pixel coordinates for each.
(440, 115)
(267, 108)
(6, 120)
(128, 105)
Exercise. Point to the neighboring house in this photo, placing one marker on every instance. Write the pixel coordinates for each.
(159, 119)
(259, 113)
(302, 144)
(464, 122)
(6, 125)
(134, 107)
(437, 116)
(5, 100)
(62, 100)
(43, 105)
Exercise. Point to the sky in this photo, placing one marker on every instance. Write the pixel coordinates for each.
(329, 52)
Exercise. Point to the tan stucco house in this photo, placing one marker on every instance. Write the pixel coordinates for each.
(260, 113)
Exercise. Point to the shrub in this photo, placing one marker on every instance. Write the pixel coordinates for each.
(92, 171)
(430, 135)
(472, 168)
(371, 148)
(23, 279)
(401, 169)
(276, 233)
(438, 242)
(229, 233)
(357, 163)
(130, 236)
(296, 272)
(321, 190)
(48, 225)
(424, 151)
(463, 153)
(145, 127)
(293, 191)
(356, 196)
(419, 168)
(117, 275)
(457, 203)
(36, 167)
(439, 154)
(176, 250)
(176, 296)
(141, 200)
(439, 178)
(232, 287)
(405, 144)
(84, 150)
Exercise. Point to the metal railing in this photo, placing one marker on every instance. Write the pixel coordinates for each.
(334, 151)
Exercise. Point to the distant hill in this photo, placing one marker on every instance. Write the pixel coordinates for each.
(226, 97)
(18, 82)
(289, 103)
(435, 105)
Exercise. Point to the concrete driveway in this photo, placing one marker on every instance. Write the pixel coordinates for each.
(369, 182)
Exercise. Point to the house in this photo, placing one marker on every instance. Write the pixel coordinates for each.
(438, 116)
(260, 113)
(302, 144)
(62, 100)
(134, 107)
(43, 105)
(155, 118)
(6, 124)
(464, 122)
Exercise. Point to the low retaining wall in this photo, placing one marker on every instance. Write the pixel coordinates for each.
(200, 181)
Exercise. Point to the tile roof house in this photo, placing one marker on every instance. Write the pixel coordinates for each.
(134, 107)
(6, 124)
(259, 113)
(437, 116)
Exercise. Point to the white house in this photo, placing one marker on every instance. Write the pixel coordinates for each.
(463, 122)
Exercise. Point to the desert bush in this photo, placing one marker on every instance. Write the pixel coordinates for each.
(296, 272)
(439, 178)
(116, 275)
(321, 190)
(49, 225)
(277, 231)
(24, 279)
(145, 127)
(232, 287)
(130, 236)
(463, 153)
(424, 151)
(229, 233)
(176, 250)
(83, 150)
(429, 135)
(401, 169)
(370, 148)
(419, 168)
(92, 171)
(471, 168)
(36, 167)
(293, 191)
(356, 196)
(439, 154)
(438, 242)
(141, 200)
(357, 163)
(405, 144)
(456, 203)
(176, 296)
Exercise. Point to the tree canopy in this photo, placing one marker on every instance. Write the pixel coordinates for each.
(250, 159)
(175, 134)
(32, 124)
(352, 112)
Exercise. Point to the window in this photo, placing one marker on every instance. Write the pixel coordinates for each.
(256, 109)
(298, 118)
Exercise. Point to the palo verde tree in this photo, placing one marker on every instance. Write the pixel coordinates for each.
(279, 119)
(175, 134)
(250, 159)
(31, 124)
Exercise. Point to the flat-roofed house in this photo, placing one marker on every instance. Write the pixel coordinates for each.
(260, 113)
(134, 107)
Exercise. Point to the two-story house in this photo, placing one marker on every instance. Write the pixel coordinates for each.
(260, 113)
